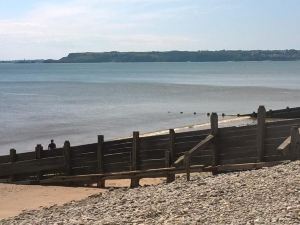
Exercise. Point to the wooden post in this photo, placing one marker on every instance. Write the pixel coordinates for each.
(13, 158)
(100, 160)
(294, 153)
(38, 155)
(170, 155)
(261, 132)
(67, 155)
(187, 159)
(214, 131)
(134, 157)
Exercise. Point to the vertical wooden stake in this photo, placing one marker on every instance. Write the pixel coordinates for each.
(187, 159)
(38, 155)
(134, 157)
(100, 160)
(67, 155)
(294, 153)
(261, 132)
(13, 158)
(170, 155)
(214, 131)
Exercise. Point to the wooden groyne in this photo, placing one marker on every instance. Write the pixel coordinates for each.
(215, 149)
(287, 113)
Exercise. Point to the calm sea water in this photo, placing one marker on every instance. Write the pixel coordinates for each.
(77, 102)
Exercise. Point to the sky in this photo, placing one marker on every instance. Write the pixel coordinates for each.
(35, 29)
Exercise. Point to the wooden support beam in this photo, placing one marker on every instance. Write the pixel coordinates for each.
(67, 156)
(187, 162)
(13, 158)
(100, 160)
(170, 153)
(294, 153)
(214, 131)
(284, 146)
(201, 145)
(134, 157)
(261, 132)
(39, 155)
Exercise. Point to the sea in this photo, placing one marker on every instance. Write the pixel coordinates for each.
(77, 102)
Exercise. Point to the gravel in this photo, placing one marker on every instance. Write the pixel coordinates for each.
(265, 196)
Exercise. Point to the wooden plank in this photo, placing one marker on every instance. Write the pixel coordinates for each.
(201, 145)
(261, 132)
(238, 160)
(4, 159)
(239, 131)
(100, 153)
(205, 160)
(67, 157)
(153, 154)
(38, 155)
(83, 170)
(52, 153)
(276, 141)
(84, 163)
(92, 178)
(84, 148)
(283, 147)
(117, 167)
(187, 164)
(191, 138)
(118, 143)
(226, 142)
(25, 156)
(114, 158)
(214, 143)
(280, 123)
(134, 157)
(13, 159)
(186, 134)
(170, 154)
(294, 152)
(126, 149)
(146, 145)
(277, 132)
(243, 152)
(152, 164)
(163, 137)
(31, 166)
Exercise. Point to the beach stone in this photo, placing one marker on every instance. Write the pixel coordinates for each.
(265, 196)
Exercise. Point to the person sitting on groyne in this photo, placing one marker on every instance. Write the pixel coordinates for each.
(52, 145)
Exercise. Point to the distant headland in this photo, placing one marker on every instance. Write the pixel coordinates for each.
(175, 56)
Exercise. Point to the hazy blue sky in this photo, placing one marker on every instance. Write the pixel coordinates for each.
(53, 28)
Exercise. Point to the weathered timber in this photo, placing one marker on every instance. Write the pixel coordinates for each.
(100, 160)
(201, 145)
(134, 157)
(261, 131)
(284, 146)
(187, 163)
(67, 157)
(214, 132)
(294, 152)
(92, 178)
(170, 154)
(13, 159)
(38, 155)
(29, 166)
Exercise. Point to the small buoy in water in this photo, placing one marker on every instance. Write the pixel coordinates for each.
(169, 112)
(223, 114)
(181, 112)
(195, 113)
(208, 114)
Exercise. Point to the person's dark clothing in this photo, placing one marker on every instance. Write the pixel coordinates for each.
(52, 146)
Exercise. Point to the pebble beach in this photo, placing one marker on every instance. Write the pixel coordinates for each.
(265, 196)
